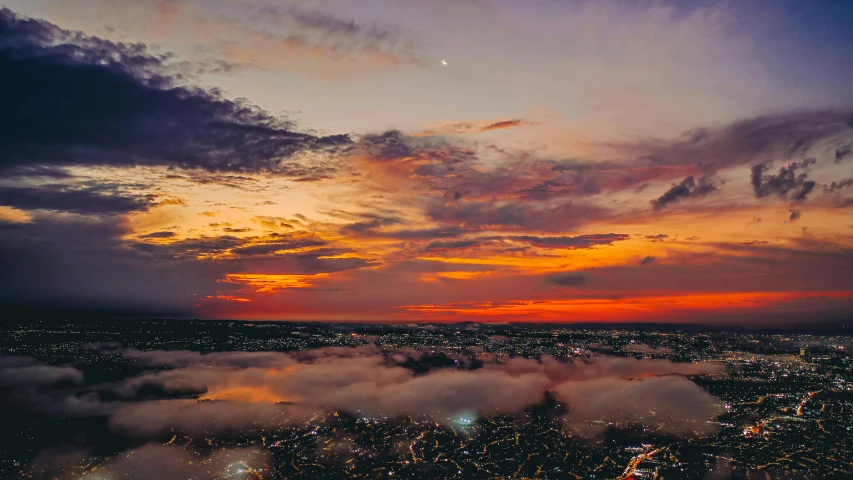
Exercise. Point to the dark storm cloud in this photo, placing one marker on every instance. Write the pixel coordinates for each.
(657, 238)
(570, 279)
(370, 223)
(795, 215)
(458, 244)
(240, 182)
(309, 263)
(163, 234)
(488, 214)
(835, 186)
(580, 241)
(35, 171)
(687, 188)
(85, 201)
(647, 260)
(479, 214)
(244, 253)
(424, 234)
(252, 255)
(785, 182)
(286, 242)
(391, 145)
(395, 145)
(755, 139)
(72, 99)
(842, 152)
(191, 247)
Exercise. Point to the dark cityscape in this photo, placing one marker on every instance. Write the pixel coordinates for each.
(762, 404)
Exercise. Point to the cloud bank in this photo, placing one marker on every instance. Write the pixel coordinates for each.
(266, 389)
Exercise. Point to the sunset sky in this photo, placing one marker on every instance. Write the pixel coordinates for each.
(426, 161)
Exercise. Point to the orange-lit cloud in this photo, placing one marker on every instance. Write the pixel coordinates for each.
(9, 214)
(453, 275)
(243, 394)
(229, 298)
(268, 283)
(461, 128)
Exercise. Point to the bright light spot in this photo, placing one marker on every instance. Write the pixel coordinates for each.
(465, 418)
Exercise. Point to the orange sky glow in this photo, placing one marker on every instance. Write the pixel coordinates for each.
(645, 164)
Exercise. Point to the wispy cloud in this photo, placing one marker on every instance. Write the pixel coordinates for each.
(460, 128)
